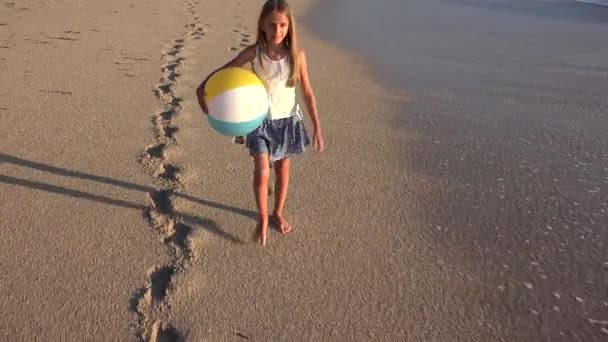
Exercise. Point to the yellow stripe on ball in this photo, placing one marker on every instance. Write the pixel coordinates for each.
(227, 79)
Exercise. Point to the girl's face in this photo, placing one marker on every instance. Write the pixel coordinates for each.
(276, 27)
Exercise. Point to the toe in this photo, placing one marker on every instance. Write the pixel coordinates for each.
(285, 229)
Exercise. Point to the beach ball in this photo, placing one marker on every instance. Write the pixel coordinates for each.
(237, 101)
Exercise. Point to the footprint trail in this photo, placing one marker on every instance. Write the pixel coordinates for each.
(149, 303)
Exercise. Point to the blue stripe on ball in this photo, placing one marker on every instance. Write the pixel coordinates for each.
(236, 129)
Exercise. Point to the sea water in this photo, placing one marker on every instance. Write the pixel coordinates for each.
(456, 44)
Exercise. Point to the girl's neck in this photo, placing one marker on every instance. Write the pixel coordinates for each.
(275, 52)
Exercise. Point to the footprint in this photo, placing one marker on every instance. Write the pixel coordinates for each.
(163, 332)
(157, 151)
(180, 235)
(168, 114)
(163, 90)
(171, 66)
(172, 52)
(169, 131)
(176, 102)
(160, 278)
(161, 200)
(171, 172)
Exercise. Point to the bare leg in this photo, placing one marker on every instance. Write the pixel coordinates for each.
(270, 191)
(281, 170)
(261, 174)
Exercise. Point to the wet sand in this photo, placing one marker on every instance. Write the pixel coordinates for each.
(510, 147)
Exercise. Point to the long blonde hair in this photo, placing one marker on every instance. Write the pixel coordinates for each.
(290, 42)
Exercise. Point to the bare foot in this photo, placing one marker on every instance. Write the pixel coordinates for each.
(261, 232)
(283, 225)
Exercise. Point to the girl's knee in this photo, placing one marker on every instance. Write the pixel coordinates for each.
(261, 171)
(260, 164)
(282, 164)
(260, 176)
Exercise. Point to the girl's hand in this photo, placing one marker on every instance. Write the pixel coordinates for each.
(200, 94)
(204, 107)
(318, 140)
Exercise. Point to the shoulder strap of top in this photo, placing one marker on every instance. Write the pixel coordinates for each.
(254, 61)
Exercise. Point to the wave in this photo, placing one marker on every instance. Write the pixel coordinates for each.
(594, 2)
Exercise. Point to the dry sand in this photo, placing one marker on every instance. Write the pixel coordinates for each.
(124, 216)
(76, 98)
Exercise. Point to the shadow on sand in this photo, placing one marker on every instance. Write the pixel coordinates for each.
(205, 223)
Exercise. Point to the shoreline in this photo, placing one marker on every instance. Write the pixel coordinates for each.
(490, 127)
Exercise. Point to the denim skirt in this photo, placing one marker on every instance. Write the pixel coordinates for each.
(279, 138)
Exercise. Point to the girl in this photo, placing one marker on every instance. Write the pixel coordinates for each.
(277, 61)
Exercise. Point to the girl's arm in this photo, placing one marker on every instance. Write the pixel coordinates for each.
(244, 57)
(310, 101)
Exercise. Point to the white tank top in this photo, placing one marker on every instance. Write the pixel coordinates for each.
(274, 75)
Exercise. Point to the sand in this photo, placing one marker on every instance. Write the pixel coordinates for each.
(76, 97)
(124, 216)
